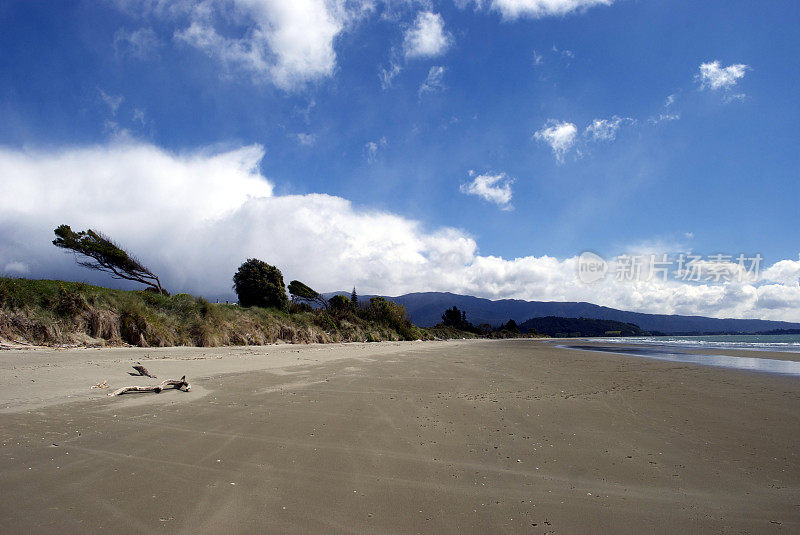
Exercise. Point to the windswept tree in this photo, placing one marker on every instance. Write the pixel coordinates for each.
(305, 294)
(259, 284)
(105, 255)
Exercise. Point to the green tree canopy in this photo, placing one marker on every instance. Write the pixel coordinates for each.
(453, 317)
(511, 327)
(394, 315)
(304, 293)
(339, 302)
(104, 255)
(259, 284)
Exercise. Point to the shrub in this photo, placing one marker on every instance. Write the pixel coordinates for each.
(339, 303)
(394, 316)
(132, 326)
(69, 303)
(259, 284)
(296, 308)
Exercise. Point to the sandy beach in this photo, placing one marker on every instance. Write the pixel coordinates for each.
(514, 436)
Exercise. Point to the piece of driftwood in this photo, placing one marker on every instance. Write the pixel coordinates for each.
(177, 384)
(142, 371)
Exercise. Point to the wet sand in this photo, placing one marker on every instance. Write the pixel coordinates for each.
(444, 437)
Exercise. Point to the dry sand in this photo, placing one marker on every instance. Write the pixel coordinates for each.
(436, 437)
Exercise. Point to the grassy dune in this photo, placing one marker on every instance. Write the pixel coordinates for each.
(51, 312)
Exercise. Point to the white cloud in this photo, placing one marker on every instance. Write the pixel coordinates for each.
(559, 135)
(427, 38)
(138, 116)
(606, 129)
(538, 59)
(665, 117)
(305, 113)
(387, 76)
(492, 188)
(713, 76)
(140, 44)
(113, 102)
(195, 217)
(734, 97)
(289, 42)
(15, 268)
(306, 139)
(785, 272)
(434, 82)
(670, 100)
(513, 9)
(371, 148)
(566, 53)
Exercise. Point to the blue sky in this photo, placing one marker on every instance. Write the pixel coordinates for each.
(476, 147)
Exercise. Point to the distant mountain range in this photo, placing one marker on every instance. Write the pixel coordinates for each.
(426, 309)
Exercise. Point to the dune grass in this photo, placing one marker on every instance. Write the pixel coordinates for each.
(52, 312)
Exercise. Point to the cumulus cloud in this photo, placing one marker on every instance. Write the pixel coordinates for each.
(492, 188)
(427, 37)
(714, 76)
(513, 9)
(606, 129)
(559, 135)
(194, 217)
(785, 272)
(434, 82)
(286, 42)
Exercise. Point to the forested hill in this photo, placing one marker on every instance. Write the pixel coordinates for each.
(425, 309)
(565, 327)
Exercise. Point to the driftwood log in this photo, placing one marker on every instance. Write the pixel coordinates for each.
(177, 384)
(142, 371)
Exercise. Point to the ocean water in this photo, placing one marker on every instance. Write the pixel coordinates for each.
(754, 364)
(753, 342)
(683, 349)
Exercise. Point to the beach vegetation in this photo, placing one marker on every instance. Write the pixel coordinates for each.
(96, 251)
(62, 313)
(302, 293)
(457, 319)
(260, 284)
(339, 303)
